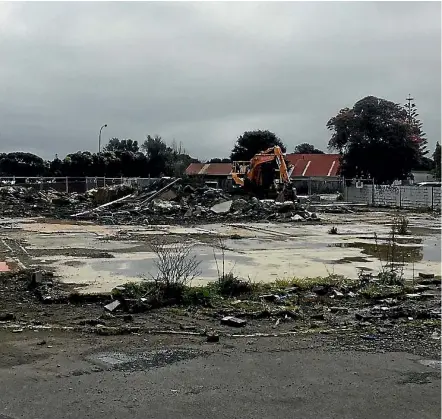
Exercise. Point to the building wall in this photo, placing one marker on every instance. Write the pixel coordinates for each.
(412, 197)
(314, 185)
(421, 176)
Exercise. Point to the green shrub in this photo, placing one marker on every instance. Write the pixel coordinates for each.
(231, 286)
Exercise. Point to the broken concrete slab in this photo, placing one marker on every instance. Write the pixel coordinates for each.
(424, 275)
(222, 207)
(339, 310)
(233, 321)
(112, 306)
(168, 195)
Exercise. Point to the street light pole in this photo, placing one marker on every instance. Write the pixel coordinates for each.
(99, 138)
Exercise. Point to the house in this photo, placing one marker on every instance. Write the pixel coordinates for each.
(311, 173)
(216, 175)
(315, 173)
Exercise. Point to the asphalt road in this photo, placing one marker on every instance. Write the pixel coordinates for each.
(233, 382)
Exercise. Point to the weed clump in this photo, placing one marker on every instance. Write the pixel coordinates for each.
(333, 230)
(331, 280)
(230, 285)
(400, 226)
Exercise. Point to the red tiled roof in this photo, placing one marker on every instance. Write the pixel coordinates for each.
(209, 169)
(194, 168)
(218, 169)
(320, 165)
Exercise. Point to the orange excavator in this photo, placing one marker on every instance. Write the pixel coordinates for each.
(266, 175)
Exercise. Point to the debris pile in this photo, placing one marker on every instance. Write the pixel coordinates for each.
(20, 201)
(176, 203)
(164, 201)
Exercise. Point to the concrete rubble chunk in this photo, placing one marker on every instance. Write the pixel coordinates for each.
(233, 321)
(112, 306)
(168, 195)
(297, 217)
(270, 297)
(363, 315)
(339, 310)
(421, 287)
(5, 317)
(239, 204)
(36, 278)
(212, 338)
(424, 275)
(222, 207)
(338, 294)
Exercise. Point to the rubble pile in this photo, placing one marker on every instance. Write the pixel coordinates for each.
(183, 203)
(19, 201)
(164, 201)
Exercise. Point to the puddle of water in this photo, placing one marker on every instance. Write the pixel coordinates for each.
(406, 251)
(146, 266)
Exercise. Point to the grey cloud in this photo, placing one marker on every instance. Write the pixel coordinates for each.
(202, 73)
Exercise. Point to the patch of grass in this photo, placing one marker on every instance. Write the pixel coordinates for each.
(333, 230)
(400, 226)
(200, 296)
(330, 280)
(134, 289)
(282, 283)
(376, 291)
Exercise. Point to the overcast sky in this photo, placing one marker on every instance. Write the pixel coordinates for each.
(203, 73)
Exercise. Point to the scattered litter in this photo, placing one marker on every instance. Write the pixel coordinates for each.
(112, 306)
(17, 331)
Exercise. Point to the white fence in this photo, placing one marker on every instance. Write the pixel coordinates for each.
(73, 184)
(412, 197)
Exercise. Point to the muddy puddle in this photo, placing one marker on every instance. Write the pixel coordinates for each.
(407, 250)
(145, 267)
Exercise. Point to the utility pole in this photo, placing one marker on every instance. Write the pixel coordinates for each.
(409, 106)
(99, 138)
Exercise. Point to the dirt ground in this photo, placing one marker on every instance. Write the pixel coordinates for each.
(30, 328)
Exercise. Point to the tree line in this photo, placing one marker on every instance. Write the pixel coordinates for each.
(376, 139)
(120, 157)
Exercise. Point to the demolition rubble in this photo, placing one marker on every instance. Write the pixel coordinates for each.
(164, 201)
